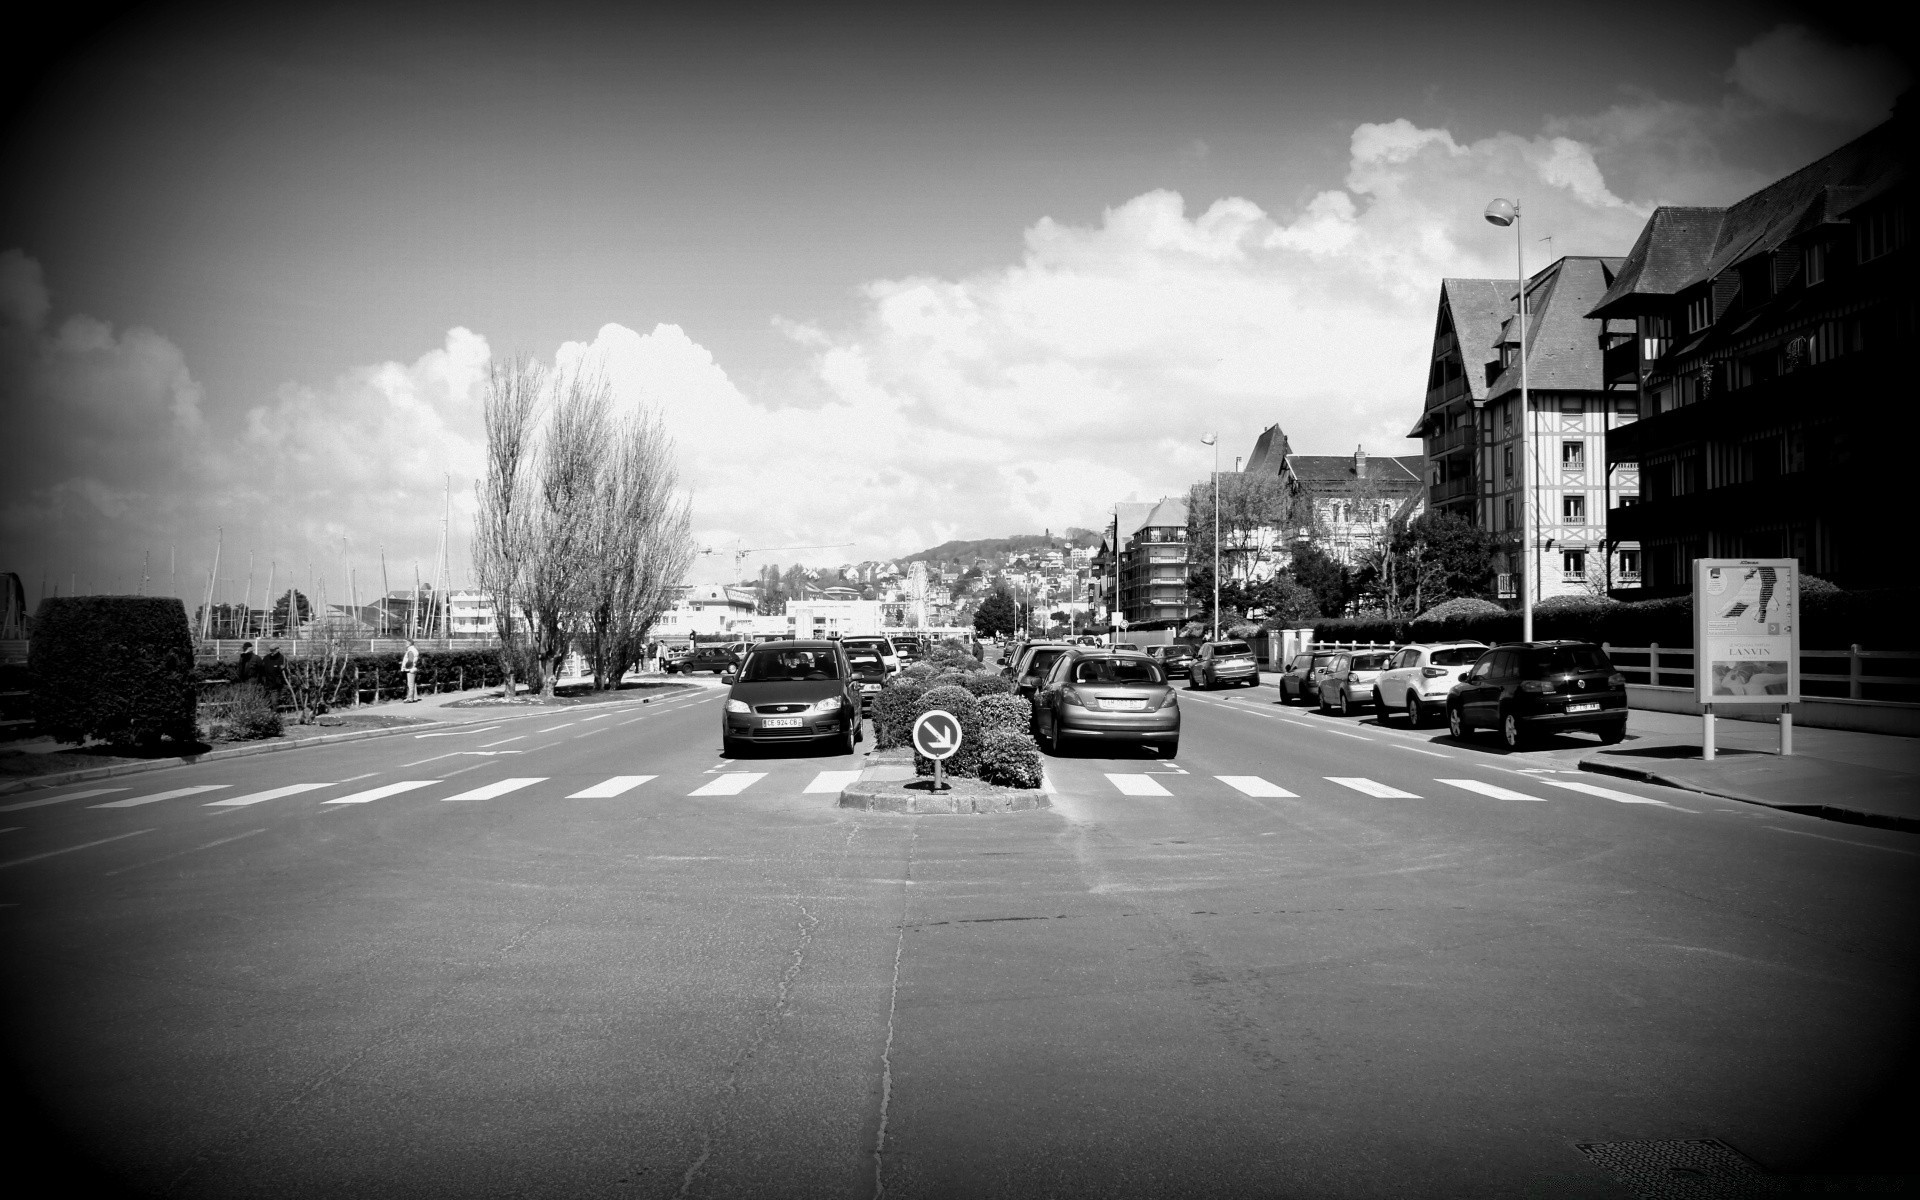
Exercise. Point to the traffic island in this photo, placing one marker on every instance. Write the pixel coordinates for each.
(888, 784)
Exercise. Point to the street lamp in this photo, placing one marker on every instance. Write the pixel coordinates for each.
(1213, 439)
(1504, 213)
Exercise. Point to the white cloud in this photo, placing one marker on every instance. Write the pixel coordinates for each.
(1795, 71)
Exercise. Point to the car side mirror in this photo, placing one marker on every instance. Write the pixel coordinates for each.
(726, 677)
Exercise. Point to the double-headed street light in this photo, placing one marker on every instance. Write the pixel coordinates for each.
(1504, 213)
(1213, 439)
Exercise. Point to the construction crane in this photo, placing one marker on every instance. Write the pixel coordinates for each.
(740, 554)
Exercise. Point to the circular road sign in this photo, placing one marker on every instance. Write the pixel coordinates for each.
(936, 734)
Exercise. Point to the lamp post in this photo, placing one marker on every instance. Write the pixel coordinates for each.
(1504, 213)
(1213, 439)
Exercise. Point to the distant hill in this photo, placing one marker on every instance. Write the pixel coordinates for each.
(999, 550)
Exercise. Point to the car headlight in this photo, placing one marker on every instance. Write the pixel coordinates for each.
(830, 704)
(738, 706)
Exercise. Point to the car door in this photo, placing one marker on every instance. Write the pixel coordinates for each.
(1393, 682)
(1046, 696)
(1481, 702)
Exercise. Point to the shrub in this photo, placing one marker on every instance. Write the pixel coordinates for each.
(1460, 606)
(1009, 758)
(893, 711)
(949, 679)
(118, 668)
(965, 709)
(920, 671)
(987, 685)
(251, 713)
(1006, 711)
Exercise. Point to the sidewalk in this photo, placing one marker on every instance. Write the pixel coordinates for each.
(1860, 778)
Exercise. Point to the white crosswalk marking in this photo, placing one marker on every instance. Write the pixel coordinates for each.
(498, 787)
(391, 789)
(290, 790)
(607, 789)
(1137, 785)
(1371, 788)
(1253, 785)
(1605, 793)
(730, 784)
(832, 781)
(1488, 789)
(58, 799)
(137, 801)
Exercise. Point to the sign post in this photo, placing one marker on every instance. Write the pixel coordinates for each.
(937, 735)
(1746, 639)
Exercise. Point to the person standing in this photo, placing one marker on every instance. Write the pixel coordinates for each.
(410, 663)
(249, 663)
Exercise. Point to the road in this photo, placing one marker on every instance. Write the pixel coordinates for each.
(584, 955)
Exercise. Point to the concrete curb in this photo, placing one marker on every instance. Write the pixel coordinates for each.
(893, 796)
(61, 778)
(1828, 812)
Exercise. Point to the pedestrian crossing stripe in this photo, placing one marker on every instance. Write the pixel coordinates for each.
(1253, 785)
(831, 781)
(730, 784)
(1372, 788)
(498, 787)
(1488, 789)
(379, 793)
(1604, 793)
(290, 790)
(137, 801)
(609, 788)
(1138, 785)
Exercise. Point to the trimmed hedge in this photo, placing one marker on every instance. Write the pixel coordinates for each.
(477, 668)
(893, 711)
(1009, 758)
(117, 668)
(1007, 711)
(984, 685)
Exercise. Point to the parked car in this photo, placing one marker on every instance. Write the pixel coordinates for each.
(1173, 659)
(1124, 646)
(881, 645)
(1525, 689)
(1349, 679)
(1106, 695)
(717, 657)
(792, 691)
(1034, 661)
(869, 669)
(1300, 682)
(1217, 664)
(1420, 676)
(907, 648)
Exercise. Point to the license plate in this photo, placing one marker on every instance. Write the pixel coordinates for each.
(780, 722)
(1589, 706)
(1127, 705)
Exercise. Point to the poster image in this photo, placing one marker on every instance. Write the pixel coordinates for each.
(1747, 630)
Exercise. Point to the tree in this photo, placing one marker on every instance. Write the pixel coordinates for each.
(1258, 514)
(302, 609)
(1432, 559)
(997, 615)
(1322, 575)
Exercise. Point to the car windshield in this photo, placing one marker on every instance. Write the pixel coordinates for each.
(1178, 652)
(1116, 670)
(1231, 649)
(767, 666)
(865, 660)
(1370, 662)
(1457, 656)
(1561, 659)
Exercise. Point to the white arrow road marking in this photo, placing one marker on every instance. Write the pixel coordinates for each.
(1371, 788)
(498, 787)
(391, 789)
(609, 788)
(1488, 789)
(832, 781)
(275, 794)
(58, 799)
(1253, 785)
(1606, 793)
(1137, 785)
(730, 784)
(137, 801)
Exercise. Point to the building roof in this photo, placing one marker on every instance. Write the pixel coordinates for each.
(1170, 513)
(1270, 451)
(1679, 247)
(1477, 306)
(1563, 341)
(1339, 468)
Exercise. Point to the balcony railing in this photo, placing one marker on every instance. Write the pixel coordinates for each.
(1620, 360)
(1451, 489)
(1457, 438)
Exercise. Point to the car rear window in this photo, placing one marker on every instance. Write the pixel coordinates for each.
(1456, 656)
(1043, 660)
(1370, 662)
(864, 658)
(1562, 659)
(1117, 670)
(768, 666)
(1231, 649)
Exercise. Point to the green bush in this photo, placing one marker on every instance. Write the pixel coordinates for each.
(949, 679)
(1009, 758)
(1006, 710)
(252, 713)
(1460, 606)
(117, 668)
(965, 709)
(893, 711)
(920, 671)
(984, 685)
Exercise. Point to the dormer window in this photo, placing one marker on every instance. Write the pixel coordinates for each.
(1699, 313)
(1816, 263)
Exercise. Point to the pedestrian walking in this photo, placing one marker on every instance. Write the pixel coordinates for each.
(410, 663)
(249, 663)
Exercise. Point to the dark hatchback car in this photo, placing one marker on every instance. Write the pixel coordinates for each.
(1528, 689)
(1106, 695)
(1300, 682)
(1034, 661)
(869, 667)
(792, 692)
(1173, 659)
(712, 656)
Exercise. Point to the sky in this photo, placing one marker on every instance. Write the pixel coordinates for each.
(890, 277)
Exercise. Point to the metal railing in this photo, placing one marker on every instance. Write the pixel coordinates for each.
(1857, 683)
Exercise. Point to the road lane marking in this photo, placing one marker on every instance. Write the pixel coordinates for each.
(589, 733)
(562, 725)
(1488, 789)
(1604, 793)
(59, 799)
(1418, 750)
(168, 857)
(1137, 785)
(1371, 788)
(391, 789)
(1843, 841)
(14, 862)
(1253, 785)
(595, 717)
(1344, 733)
(729, 785)
(457, 732)
(831, 781)
(606, 789)
(503, 741)
(137, 801)
(498, 787)
(290, 790)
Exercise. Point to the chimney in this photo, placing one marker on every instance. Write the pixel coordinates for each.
(1359, 462)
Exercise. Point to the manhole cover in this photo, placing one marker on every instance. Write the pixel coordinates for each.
(1679, 1169)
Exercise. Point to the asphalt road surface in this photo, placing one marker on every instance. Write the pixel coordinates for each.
(585, 955)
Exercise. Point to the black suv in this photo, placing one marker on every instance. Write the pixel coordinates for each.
(1525, 689)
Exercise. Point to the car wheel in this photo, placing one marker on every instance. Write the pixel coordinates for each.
(1346, 703)
(1456, 722)
(730, 746)
(1416, 715)
(1379, 705)
(1510, 734)
(859, 730)
(1614, 734)
(1324, 706)
(1169, 749)
(847, 739)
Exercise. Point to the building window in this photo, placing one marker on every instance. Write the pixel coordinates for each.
(1506, 416)
(1881, 232)
(1573, 508)
(1573, 565)
(1509, 524)
(1507, 462)
(1816, 263)
(1629, 564)
(1700, 314)
(1573, 456)
(1628, 500)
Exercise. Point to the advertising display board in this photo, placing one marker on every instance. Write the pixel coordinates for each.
(1746, 631)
